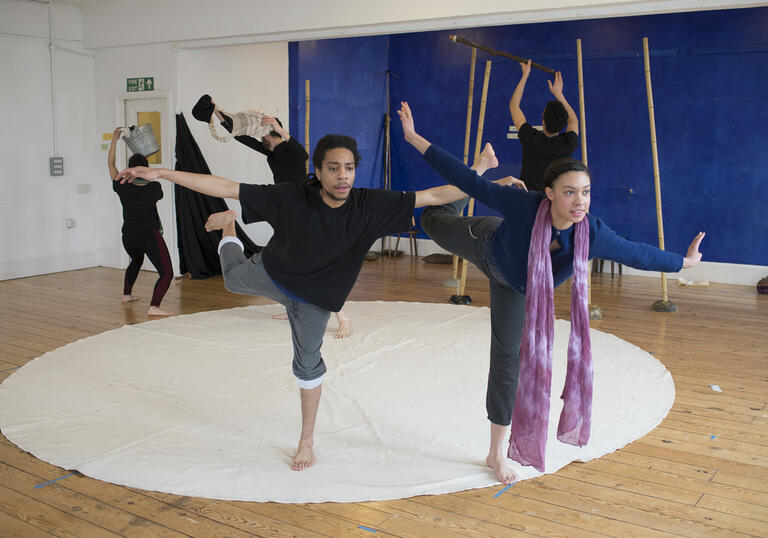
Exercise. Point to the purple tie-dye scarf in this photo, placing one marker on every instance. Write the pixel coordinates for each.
(530, 417)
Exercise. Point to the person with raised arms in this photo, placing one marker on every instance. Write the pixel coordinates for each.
(541, 148)
(142, 232)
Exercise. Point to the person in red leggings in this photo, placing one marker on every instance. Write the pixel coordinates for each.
(142, 230)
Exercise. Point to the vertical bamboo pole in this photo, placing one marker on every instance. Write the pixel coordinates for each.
(582, 116)
(594, 311)
(467, 134)
(478, 145)
(469, 104)
(665, 304)
(385, 241)
(306, 119)
(388, 176)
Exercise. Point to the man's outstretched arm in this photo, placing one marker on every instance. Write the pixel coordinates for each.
(205, 184)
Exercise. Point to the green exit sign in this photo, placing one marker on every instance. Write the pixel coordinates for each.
(140, 84)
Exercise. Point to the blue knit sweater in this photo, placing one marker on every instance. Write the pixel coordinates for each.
(512, 238)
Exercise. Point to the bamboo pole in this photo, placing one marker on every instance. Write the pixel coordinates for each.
(388, 175)
(467, 134)
(594, 311)
(582, 116)
(385, 241)
(457, 39)
(306, 120)
(469, 105)
(664, 305)
(478, 145)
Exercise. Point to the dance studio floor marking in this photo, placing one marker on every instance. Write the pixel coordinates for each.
(206, 405)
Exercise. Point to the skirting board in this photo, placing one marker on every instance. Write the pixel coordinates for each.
(724, 273)
(49, 264)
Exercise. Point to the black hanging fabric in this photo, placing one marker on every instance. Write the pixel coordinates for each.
(198, 253)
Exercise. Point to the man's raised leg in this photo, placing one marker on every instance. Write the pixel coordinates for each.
(240, 276)
(224, 221)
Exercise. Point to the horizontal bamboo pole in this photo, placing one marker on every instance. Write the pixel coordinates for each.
(457, 39)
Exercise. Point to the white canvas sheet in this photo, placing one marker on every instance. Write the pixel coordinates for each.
(206, 404)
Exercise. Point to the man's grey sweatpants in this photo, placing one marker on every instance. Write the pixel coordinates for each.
(308, 322)
(470, 238)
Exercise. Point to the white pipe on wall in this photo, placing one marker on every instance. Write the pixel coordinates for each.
(51, 54)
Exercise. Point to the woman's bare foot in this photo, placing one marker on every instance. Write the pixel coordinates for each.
(497, 458)
(221, 220)
(157, 311)
(284, 315)
(345, 325)
(129, 298)
(486, 160)
(304, 458)
(504, 473)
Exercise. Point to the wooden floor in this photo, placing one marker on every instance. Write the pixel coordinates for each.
(702, 472)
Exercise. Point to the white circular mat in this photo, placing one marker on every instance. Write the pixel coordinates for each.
(206, 404)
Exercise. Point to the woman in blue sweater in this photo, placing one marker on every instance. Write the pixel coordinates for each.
(499, 247)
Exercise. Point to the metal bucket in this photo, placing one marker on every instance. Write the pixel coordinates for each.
(141, 140)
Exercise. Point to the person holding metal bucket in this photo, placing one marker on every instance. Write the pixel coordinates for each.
(142, 231)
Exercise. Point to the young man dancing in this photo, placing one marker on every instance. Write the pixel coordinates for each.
(323, 229)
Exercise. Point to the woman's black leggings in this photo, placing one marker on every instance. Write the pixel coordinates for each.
(137, 243)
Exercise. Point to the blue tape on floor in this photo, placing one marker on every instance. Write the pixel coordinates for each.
(504, 489)
(366, 528)
(9, 369)
(52, 481)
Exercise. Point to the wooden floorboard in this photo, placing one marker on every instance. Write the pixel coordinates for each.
(702, 472)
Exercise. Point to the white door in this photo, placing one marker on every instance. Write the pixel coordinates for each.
(140, 111)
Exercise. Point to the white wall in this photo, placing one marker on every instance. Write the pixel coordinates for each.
(238, 78)
(113, 66)
(34, 206)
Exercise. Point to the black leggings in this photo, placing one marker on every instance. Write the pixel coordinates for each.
(137, 243)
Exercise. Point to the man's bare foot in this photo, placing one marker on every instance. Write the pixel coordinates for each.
(345, 325)
(486, 160)
(157, 311)
(219, 221)
(128, 298)
(500, 466)
(304, 458)
(284, 315)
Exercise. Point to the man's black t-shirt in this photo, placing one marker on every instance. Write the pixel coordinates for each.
(287, 160)
(139, 205)
(317, 251)
(539, 151)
